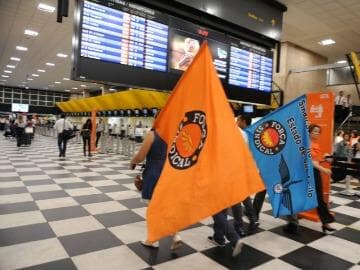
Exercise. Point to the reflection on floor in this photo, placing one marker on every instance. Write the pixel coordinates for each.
(85, 214)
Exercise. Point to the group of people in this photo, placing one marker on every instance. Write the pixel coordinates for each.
(16, 128)
(347, 145)
(154, 151)
(63, 125)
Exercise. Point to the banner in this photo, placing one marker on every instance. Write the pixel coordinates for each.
(320, 108)
(280, 144)
(208, 166)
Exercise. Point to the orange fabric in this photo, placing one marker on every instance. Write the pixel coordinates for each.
(315, 151)
(223, 171)
(320, 109)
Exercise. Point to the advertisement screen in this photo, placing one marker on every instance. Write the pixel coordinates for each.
(17, 107)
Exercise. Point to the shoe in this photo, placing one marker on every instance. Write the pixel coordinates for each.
(253, 227)
(240, 231)
(148, 244)
(237, 248)
(216, 243)
(327, 228)
(176, 243)
(291, 228)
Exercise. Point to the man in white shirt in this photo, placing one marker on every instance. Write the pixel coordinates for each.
(61, 125)
(340, 99)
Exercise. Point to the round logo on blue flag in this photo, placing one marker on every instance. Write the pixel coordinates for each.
(189, 140)
(270, 137)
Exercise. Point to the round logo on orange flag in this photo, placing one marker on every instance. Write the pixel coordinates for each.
(189, 140)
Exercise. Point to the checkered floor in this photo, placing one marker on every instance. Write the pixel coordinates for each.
(84, 213)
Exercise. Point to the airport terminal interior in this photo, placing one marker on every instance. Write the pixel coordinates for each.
(94, 75)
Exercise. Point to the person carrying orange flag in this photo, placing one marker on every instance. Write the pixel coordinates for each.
(208, 166)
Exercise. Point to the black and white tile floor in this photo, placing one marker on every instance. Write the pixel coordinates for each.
(85, 214)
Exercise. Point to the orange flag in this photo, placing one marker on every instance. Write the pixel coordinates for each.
(208, 165)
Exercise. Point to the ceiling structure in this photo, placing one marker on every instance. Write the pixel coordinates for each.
(305, 23)
(309, 21)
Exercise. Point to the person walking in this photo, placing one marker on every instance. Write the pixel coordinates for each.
(154, 150)
(243, 122)
(20, 125)
(86, 135)
(61, 125)
(322, 208)
(99, 130)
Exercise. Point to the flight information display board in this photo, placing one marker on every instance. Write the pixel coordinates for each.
(113, 35)
(250, 68)
(124, 43)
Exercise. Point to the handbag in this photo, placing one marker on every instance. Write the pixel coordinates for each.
(68, 134)
(138, 182)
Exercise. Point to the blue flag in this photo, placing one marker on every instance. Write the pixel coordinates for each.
(280, 145)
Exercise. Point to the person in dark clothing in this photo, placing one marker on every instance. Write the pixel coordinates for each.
(86, 135)
(154, 150)
(19, 130)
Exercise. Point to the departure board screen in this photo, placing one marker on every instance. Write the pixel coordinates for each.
(250, 68)
(116, 36)
(127, 44)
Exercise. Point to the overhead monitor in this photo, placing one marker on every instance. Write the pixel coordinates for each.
(17, 107)
(248, 108)
(124, 43)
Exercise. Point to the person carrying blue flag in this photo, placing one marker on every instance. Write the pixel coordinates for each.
(280, 144)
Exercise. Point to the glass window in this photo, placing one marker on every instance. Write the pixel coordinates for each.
(34, 102)
(7, 100)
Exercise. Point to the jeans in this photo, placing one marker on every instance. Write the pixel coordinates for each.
(258, 202)
(62, 145)
(98, 135)
(86, 141)
(222, 228)
(238, 213)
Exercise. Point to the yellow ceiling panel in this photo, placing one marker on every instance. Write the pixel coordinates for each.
(131, 99)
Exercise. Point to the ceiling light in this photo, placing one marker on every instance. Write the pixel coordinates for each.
(46, 8)
(62, 55)
(10, 66)
(41, 70)
(21, 48)
(15, 59)
(66, 79)
(75, 88)
(30, 79)
(31, 33)
(67, 90)
(50, 64)
(112, 89)
(35, 75)
(51, 85)
(326, 42)
(57, 82)
(7, 71)
(5, 76)
(341, 62)
(82, 85)
(3, 80)
(27, 87)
